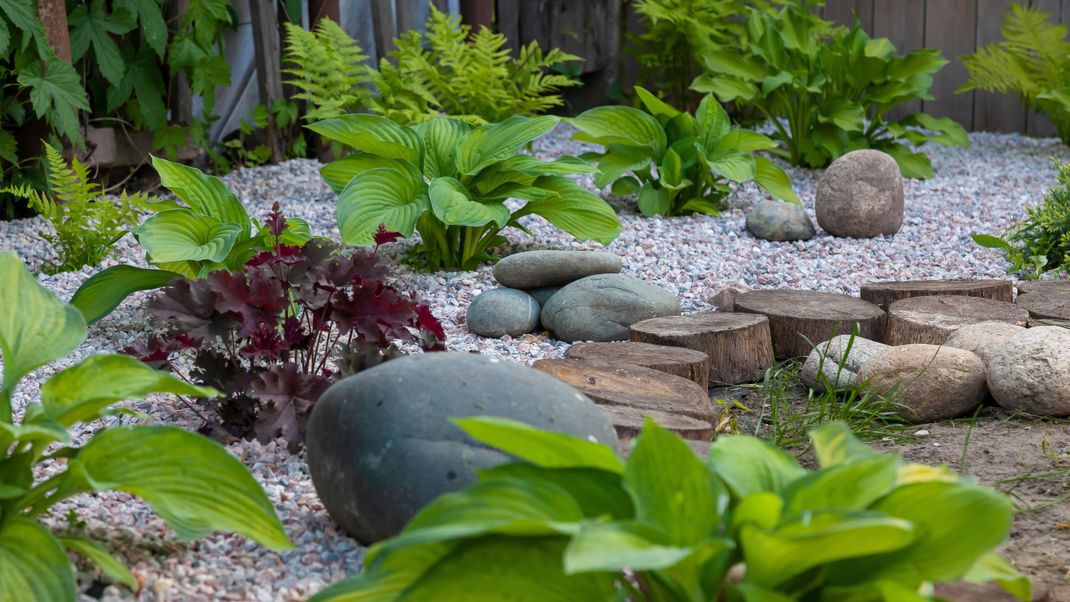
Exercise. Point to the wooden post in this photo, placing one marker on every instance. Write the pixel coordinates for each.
(268, 68)
(323, 9)
(181, 94)
(385, 27)
(477, 13)
(53, 14)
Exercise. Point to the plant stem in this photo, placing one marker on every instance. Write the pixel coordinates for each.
(5, 405)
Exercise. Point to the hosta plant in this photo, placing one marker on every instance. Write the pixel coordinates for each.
(678, 163)
(827, 91)
(206, 229)
(191, 482)
(275, 334)
(449, 182)
(571, 521)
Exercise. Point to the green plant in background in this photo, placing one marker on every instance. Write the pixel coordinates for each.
(191, 482)
(468, 76)
(210, 230)
(1041, 242)
(328, 69)
(85, 223)
(449, 182)
(677, 163)
(1033, 61)
(827, 91)
(571, 521)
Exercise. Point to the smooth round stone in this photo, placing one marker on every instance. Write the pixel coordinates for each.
(860, 195)
(543, 293)
(1031, 372)
(779, 221)
(602, 307)
(533, 269)
(836, 362)
(983, 338)
(503, 311)
(380, 444)
(929, 382)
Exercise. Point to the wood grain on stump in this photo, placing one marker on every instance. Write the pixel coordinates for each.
(798, 320)
(678, 361)
(1044, 286)
(1046, 303)
(628, 422)
(618, 383)
(883, 294)
(739, 346)
(932, 320)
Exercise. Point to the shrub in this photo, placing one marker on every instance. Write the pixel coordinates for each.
(328, 69)
(192, 483)
(1032, 61)
(826, 91)
(85, 223)
(1041, 242)
(573, 522)
(449, 182)
(680, 163)
(275, 334)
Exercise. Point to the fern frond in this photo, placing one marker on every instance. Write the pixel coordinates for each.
(328, 69)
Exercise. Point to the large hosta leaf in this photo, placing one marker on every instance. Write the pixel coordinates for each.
(182, 235)
(338, 173)
(773, 179)
(575, 210)
(33, 564)
(205, 194)
(106, 289)
(621, 125)
(384, 196)
(621, 545)
(488, 144)
(374, 135)
(543, 448)
(749, 465)
(100, 556)
(452, 204)
(441, 137)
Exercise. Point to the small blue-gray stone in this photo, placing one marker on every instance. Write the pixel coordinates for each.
(543, 293)
(602, 307)
(503, 311)
(780, 221)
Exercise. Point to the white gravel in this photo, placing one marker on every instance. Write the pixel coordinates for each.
(980, 189)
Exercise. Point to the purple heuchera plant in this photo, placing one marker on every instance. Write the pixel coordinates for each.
(275, 335)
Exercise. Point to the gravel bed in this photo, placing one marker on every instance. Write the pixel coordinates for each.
(980, 189)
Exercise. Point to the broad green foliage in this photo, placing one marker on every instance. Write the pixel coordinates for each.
(209, 230)
(1032, 61)
(1041, 242)
(570, 521)
(678, 163)
(192, 482)
(449, 182)
(827, 90)
(327, 67)
(85, 223)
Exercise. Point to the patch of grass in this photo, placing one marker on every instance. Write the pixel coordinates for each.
(1056, 477)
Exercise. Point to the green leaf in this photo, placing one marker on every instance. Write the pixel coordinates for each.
(79, 393)
(598, 492)
(453, 204)
(100, 556)
(911, 164)
(654, 200)
(542, 448)
(493, 142)
(621, 125)
(993, 567)
(625, 186)
(671, 170)
(654, 105)
(621, 545)
(374, 135)
(386, 196)
(106, 289)
(949, 132)
(191, 482)
(56, 94)
(337, 174)
(844, 114)
(741, 141)
(42, 430)
(727, 89)
(205, 194)
(773, 179)
(575, 210)
(532, 166)
(835, 445)
(33, 564)
(713, 121)
(738, 168)
(852, 486)
(441, 137)
(992, 242)
(735, 64)
(620, 160)
(749, 465)
(141, 76)
(150, 17)
(182, 235)
(91, 25)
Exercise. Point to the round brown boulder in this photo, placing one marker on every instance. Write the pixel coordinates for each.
(861, 195)
(1031, 372)
(928, 381)
(983, 338)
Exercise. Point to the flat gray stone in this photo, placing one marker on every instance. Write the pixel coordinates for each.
(503, 311)
(602, 307)
(533, 269)
(779, 221)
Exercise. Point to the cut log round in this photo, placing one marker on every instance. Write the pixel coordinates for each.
(1061, 286)
(932, 320)
(738, 345)
(1046, 303)
(883, 294)
(628, 421)
(617, 383)
(678, 361)
(798, 320)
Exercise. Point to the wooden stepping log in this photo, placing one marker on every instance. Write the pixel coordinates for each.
(738, 345)
(1046, 303)
(1060, 286)
(628, 422)
(798, 320)
(883, 294)
(678, 361)
(621, 384)
(932, 320)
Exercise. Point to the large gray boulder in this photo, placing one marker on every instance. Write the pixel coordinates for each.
(1031, 372)
(929, 382)
(533, 269)
(779, 221)
(380, 445)
(602, 307)
(503, 311)
(860, 195)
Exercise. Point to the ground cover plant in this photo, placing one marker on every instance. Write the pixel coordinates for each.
(678, 163)
(449, 182)
(572, 521)
(826, 91)
(273, 335)
(191, 482)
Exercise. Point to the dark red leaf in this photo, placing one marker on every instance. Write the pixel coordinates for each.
(286, 397)
(382, 236)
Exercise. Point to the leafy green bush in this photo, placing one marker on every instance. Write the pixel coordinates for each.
(328, 69)
(210, 231)
(1041, 242)
(449, 182)
(573, 522)
(191, 482)
(680, 163)
(826, 90)
(86, 223)
(1033, 61)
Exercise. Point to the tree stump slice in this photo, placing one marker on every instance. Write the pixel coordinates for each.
(883, 294)
(932, 320)
(617, 383)
(1061, 286)
(1046, 303)
(798, 320)
(628, 422)
(678, 361)
(739, 346)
